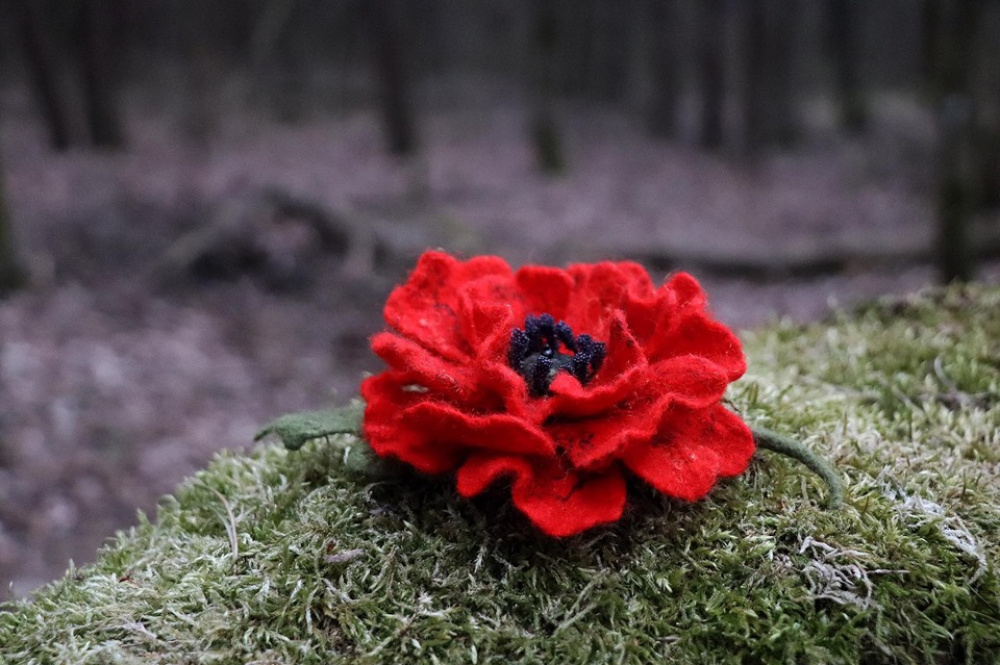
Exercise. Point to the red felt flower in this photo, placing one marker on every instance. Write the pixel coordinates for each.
(559, 381)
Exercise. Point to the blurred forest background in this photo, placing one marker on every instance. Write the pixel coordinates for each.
(203, 203)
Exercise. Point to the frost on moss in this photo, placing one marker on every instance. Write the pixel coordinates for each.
(295, 557)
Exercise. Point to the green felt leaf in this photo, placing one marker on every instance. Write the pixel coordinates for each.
(297, 429)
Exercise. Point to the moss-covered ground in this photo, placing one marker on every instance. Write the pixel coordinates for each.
(296, 557)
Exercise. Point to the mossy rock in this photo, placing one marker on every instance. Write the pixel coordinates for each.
(297, 557)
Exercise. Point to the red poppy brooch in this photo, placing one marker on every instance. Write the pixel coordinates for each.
(556, 383)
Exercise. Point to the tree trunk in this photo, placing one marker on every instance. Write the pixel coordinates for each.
(192, 26)
(784, 126)
(397, 108)
(755, 78)
(612, 44)
(930, 41)
(12, 274)
(769, 94)
(711, 60)
(989, 186)
(844, 44)
(664, 54)
(98, 52)
(545, 135)
(957, 185)
(577, 52)
(39, 51)
(988, 111)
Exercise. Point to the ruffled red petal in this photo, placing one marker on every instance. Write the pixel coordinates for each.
(699, 335)
(691, 381)
(558, 501)
(688, 293)
(487, 324)
(593, 443)
(622, 374)
(389, 435)
(686, 328)
(500, 432)
(446, 378)
(731, 438)
(601, 290)
(691, 451)
(425, 308)
(545, 290)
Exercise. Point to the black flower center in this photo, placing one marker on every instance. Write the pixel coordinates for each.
(536, 354)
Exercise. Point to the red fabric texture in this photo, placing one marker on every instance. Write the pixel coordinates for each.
(449, 401)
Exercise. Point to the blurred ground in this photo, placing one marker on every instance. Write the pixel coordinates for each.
(120, 375)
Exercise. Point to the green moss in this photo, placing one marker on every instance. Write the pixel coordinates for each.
(289, 557)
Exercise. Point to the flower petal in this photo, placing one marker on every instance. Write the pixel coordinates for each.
(687, 328)
(620, 376)
(487, 326)
(490, 387)
(446, 378)
(699, 335)
(499, 431)
(691, 451)
(425, 308)
(421, 309)
(544, 289)
(482, 266)
(692, 381)
(602, 289)
(510, 387)
(595, 441)
(560, 503)
(622, 352)
(592, 444)
(388, 434)
(687, 291)
(732, 440)
(679, 470)
(597, 500)
(483, 469)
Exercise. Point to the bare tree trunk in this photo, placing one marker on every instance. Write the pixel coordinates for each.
(768, 94)
(844, 43)
(612, 43)
(930, 40)
(957, 186)
(785, 129)
(97, 43)
(12, 274)
(545, 134)
(397, 108)
(988, 111)
(192, 26)
(573, 73)
(664, 53)
(39, 51)
(711, 58)
(754, 95)
(990, 160)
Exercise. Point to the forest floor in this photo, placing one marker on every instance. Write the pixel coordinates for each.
(121, 371)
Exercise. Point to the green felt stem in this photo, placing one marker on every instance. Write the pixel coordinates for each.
(789, 447)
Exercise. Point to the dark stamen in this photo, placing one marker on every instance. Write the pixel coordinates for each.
(565, 335)
(519, 347)
(535, 353)
(539, 379)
